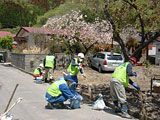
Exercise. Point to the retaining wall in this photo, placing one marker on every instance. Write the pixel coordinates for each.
(29, 62)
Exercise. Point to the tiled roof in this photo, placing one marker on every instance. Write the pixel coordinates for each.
(5, 33)
(38, 30)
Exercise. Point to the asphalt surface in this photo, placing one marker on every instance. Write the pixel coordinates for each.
(32, 107)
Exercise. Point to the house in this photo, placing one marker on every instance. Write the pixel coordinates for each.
(5, 33)
(32, 36)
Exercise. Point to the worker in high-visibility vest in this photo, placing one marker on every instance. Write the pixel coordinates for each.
(60, 91)
(76, 66)
(49, 65)
(1, 57)
(38, 72)
(118, 82)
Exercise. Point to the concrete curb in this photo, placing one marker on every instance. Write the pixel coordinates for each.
(9, 64)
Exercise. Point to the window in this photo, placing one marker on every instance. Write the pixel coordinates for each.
(115, 57)
(100, 55)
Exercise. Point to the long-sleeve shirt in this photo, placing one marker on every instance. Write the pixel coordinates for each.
(66, 91)
(129, 70)
(130, 73)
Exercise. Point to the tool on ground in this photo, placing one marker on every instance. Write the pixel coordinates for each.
(8, 110)
(11, 97)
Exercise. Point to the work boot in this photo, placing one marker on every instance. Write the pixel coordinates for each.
(50, 106)
(61, 106)
(50, 81)
(116, 108)
(45, 80)
(124, 111)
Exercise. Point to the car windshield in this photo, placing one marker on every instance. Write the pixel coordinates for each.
(114, 57)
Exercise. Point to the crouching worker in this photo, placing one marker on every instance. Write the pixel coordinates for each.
(38, 74)
(59, 92)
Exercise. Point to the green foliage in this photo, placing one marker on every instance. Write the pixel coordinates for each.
(62, 9)
(124, 15)
(67, 52)
(12, 30)
(117, 50)
(15, 13)
(146, 63)
(6, 42)
(91, 15)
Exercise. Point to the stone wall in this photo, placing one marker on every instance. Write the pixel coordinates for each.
(29, 62)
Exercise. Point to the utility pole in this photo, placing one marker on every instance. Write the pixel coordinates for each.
(112, 48)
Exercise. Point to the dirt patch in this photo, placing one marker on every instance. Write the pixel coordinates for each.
(100, 82)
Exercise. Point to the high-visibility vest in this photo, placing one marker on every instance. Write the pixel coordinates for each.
(73, 69)
(54, 90)
(49, 61)
(1, 54)
(120, 74)
(36, 71)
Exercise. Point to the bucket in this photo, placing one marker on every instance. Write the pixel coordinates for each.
(74, 103)
(39, 80)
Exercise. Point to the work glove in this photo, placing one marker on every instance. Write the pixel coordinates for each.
(78, 97)
(135, 74)
(136, 86)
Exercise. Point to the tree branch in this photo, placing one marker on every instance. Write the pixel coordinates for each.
(140, 19)
(157, 34)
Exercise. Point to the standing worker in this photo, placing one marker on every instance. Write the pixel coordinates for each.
(50, 65)
(76, 66)
(118, 82)
(59, 91)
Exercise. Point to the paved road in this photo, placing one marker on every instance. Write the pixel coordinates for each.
(32, 105)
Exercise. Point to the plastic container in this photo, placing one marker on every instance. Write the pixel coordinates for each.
(39, 80)
(74, 103)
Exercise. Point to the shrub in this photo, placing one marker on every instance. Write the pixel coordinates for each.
(6, 42)
(147, 64)
(67, 52)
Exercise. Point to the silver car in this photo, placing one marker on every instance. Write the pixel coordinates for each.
(103, 61)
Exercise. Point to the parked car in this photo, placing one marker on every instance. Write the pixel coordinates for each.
(103, 61)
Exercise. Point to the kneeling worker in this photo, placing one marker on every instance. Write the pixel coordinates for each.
(59, 92)
(38, 72)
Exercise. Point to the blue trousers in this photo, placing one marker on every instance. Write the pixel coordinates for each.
(51, 99)
(74, 78)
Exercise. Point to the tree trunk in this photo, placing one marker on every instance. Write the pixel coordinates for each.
(116, 35)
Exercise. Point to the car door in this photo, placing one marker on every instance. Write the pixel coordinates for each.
(99, 60)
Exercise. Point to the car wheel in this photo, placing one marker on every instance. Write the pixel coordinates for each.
(99, 69)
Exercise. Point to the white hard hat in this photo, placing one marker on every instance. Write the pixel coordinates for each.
(41, 65)
(81, 55)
